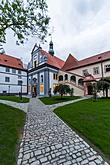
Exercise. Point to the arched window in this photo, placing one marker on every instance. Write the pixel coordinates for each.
(66, 77)
(80, 82)
(60, 78)
(73, 78)
(42, 79)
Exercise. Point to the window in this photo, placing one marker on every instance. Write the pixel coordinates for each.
(80, 82)
(85, 72)
(73, 78)
(55, 76)
(60, 78)
(19, 77)
(66, 77)
(13, 70)
(7, 79)
(107, 68)
(41, 88)
(41, 79)
(96, 70)
(19, 82)
(35, 64)
(7, 69)
(19, 71)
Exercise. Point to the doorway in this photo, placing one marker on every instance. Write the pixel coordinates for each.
(90, 90)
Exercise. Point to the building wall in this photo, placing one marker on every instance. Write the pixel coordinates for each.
(12, 86)
(53, 82)
(78, 89)
(90, 70)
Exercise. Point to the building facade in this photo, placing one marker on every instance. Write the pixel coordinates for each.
(13, 76)
(91, 70)
(46, 71)
(43, 71)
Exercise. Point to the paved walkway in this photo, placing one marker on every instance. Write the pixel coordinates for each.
(54, 106)
(47, 140)
(21, 106)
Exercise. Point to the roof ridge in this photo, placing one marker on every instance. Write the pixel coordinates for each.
(95, 55)
(9, 56)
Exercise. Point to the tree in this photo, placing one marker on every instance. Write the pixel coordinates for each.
(62, 89)
(104, 84)
(24, 18)
(72, 91)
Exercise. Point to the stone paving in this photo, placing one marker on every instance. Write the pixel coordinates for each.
(47, 140)
(54, 106)
(21, 106)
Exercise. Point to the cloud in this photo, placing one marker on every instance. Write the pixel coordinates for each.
(80, 28)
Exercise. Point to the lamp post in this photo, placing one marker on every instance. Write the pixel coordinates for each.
(9, 89)
(21, 89)
(102, 73)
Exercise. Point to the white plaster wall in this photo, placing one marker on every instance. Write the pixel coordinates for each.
(14, 87)
(79, 71)
(77, 91)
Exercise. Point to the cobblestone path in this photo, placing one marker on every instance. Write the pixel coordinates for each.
(47, 140)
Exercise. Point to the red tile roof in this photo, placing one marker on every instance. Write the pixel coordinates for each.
(90, 60)
(89, 78)
(70, 62)
(10, 61)
(53, 60)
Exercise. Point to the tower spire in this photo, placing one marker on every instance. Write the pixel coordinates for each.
(51, 51)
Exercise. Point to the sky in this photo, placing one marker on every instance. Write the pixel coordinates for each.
(79, 27)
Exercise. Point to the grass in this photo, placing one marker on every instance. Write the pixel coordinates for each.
(91, 119)
(57, 99)
(11, 124)
(15, 99)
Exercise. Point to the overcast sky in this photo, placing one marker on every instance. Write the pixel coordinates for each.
(81, 27)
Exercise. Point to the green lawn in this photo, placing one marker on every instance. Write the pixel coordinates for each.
(15, 99)
(91, 119)
(57, 99)
(11, 124)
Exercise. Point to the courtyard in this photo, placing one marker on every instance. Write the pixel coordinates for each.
(46, 139)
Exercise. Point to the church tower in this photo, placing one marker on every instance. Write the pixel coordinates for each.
(51, 51)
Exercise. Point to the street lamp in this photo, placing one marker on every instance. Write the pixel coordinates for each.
(9, 89)
(100, 57)
(21, 89)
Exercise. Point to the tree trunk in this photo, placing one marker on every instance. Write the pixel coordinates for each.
(106, 92)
